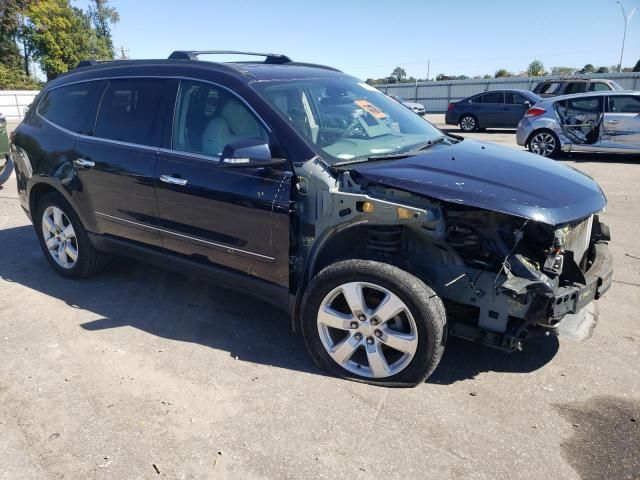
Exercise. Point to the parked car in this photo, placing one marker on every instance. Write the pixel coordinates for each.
(413, 106)
(298, 184)
(6, 165)
(494, 109)
(568, 86)
(586, 122)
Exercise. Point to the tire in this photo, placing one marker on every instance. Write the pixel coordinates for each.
(88, 260)
(362, 345)
(469, 123)
(545, 143)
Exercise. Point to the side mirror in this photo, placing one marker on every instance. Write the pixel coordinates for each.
(252, 152)
(527, 103)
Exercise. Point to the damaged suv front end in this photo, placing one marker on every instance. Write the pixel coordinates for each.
(509, 242)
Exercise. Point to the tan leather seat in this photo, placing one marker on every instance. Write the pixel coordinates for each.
(234, 123)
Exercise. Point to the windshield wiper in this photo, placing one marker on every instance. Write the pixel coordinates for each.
(431, 143)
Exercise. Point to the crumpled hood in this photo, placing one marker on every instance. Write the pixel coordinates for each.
(495, 178)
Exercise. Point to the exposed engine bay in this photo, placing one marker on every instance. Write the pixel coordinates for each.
(501, 276)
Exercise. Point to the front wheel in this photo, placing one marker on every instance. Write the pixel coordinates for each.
(545, 143)
(372, 322)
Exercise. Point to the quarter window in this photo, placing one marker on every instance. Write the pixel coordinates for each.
(624, 104)
(128, 111)
(73, 106)
(208, 118)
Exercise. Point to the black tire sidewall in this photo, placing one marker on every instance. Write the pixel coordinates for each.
(85, 249)
(419, 298)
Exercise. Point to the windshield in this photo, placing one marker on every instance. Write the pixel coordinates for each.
(347, 119)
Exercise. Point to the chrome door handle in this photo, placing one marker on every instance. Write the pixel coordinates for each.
(172, 180)
(613, 122)
(81, 162)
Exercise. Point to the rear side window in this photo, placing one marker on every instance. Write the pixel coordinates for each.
(599, 87)
(575, 87)
(584, 105)
(128, 111)
(73, 106)
(516, 99)
(494, 97)
(547, 87)
(624, 104)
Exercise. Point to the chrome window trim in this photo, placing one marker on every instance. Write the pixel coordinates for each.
(125, 77)
(227, 248)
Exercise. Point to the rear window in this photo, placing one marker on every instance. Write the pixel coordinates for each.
(73, 106)
(128, 111)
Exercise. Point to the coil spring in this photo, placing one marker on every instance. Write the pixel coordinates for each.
(385, 240)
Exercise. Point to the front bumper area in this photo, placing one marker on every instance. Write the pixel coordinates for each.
(597, 280)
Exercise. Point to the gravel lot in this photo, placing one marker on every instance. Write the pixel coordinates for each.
(140, 373)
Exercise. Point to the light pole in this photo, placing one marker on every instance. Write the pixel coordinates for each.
(624, 35)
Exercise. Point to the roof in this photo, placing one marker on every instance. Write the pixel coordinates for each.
(591, 94)
(274, 66)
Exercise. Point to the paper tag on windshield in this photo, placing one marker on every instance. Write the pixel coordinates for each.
(367, 107)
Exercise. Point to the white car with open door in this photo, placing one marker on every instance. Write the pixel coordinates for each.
(586, 122)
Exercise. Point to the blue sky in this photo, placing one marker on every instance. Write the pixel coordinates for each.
(370, 38)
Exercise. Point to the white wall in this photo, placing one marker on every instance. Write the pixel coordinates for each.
(13, 103)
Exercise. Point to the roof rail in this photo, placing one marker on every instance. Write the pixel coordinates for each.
(91, 62)
(272, 58)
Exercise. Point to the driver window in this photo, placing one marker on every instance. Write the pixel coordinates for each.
(208, 118)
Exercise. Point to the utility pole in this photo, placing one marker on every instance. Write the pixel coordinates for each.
(624, 35)
(428, 68)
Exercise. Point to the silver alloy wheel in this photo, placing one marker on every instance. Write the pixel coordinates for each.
(468, 123)
(59, 237)
(543, 143)
(374, 341)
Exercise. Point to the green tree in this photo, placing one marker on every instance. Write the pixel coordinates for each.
(562, 71)
(588, 68)
(636, 68)
(503, 73)
(399, 73)
(102, 17)
(11, 12)
(603, 70)
(59, 36)
(15, 79)
(536, 69)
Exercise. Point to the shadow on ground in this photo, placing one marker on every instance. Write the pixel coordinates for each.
(606, 440)
(188, 309)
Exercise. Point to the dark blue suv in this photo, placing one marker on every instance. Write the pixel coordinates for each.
(311, 190)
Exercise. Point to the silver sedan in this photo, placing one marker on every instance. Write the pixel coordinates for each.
(586, 122)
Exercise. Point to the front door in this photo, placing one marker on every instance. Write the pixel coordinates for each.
(235, 218)
(116, 166)
(621, 126)
(515, 106)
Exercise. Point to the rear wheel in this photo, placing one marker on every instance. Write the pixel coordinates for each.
(64, 240)
(370, 321)
(545, 143)
(468, 123)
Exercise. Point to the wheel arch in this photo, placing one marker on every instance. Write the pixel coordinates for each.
(43, 187)
(329, 248)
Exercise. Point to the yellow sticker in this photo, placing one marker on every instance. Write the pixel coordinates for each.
(369, 108)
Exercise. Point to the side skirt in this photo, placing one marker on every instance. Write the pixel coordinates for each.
(273, 294)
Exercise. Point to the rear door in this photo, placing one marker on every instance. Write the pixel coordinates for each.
(490, 112)
(116, 164)
(621, 126)
(581, 120)
(231, 218)
(515, 106)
